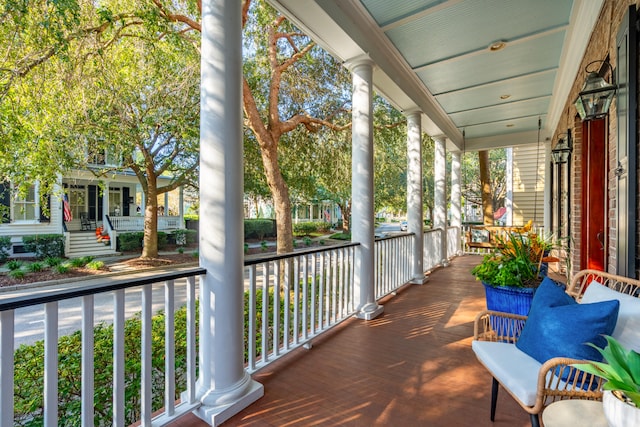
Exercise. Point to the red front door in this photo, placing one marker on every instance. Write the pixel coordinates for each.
(593, 253)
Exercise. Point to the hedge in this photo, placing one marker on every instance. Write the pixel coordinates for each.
(45, 245)
(259, 228)
(306, 228)
(29, 373)
(5, 247)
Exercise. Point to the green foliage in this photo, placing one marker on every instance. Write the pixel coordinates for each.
(263, 245)
(323, 242)
(34, 267)
(78, 262)
(5, 247)
(181, 250)
(29, 371)
(62, 268)
(341, 236)
(307, 228)
(192, 217)
(14, 265)
(259, 228)
(512, 264)
(196, 254)
(45, 245)
(307, 240)
(95, 265)
(52, 261)
(131, 241)
(246, 247)
(621, 369)
(182, 236)
(162, 239)
(17, 274)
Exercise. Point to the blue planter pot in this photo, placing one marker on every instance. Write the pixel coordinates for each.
(509, 299)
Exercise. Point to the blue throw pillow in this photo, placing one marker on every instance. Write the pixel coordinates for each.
(557, 326)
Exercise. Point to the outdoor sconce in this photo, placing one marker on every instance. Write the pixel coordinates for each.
(563, 149)
(594, 100)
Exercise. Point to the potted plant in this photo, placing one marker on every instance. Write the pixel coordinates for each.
(512, 273)
(621, 370)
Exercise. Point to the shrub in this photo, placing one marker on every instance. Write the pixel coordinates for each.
(307, 228)
(196, 254)
(341, 236)
(95, 265)
(14, 265)
(162, 240)
(307, 240)
(52, 261)
(34, 267)
(78, 262)
(29, 372)
(5, 247)
(62, 268)
(259, 228)
(246, 247)
(185, 237)
(130, 241)
(17, 274)
(44, 245)
(180, 250)
(263, 245)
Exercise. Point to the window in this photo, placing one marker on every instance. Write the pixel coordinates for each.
(77, 200)
(115, 202)
(25, 207)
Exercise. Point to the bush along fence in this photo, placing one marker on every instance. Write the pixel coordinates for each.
(132, 241)
(45, 245)
(29, 362)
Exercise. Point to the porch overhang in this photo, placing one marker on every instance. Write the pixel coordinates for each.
(534, 72)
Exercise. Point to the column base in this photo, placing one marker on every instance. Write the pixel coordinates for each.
(370, 311)
(216, 415)
(419, 280)
(445, 262)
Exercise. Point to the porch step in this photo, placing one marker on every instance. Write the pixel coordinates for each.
(85, 244)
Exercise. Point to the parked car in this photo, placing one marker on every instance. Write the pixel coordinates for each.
(404, 226)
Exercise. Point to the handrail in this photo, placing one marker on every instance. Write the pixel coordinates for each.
(13, 303)
(266, 258)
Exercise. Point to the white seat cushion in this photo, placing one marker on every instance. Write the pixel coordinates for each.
(627, 330)
(514, 369)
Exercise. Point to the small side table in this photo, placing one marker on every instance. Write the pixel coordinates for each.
(574, 412)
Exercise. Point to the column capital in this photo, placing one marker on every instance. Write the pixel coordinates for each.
(359, 61)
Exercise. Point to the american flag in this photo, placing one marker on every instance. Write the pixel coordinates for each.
(66, 210)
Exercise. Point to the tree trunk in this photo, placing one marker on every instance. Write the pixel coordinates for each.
(345, 211)
(485, 183)
(281, 202)
(150, 239)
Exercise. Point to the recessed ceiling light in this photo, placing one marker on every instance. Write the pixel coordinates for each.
(497, 45)
(505, 96)
(510, 125)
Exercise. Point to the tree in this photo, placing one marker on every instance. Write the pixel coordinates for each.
(143, 102)
(471, 186)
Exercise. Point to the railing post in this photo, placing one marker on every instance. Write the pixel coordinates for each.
(224, 387)
(362, 188)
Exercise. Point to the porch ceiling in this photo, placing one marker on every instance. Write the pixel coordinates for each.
(434, 56)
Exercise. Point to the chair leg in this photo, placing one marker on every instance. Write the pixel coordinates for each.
(494, 398)
(535, 421)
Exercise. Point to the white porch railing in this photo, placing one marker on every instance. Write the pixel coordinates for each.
(136, 223)
(290, 299)
(393, 263)
(49, 301)
(293, 298)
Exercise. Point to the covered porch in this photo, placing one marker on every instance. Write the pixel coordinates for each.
(412, 366)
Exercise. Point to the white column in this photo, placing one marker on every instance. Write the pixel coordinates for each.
(456, 195)
(414, 193)
(223, 387)
(105, 205)
(440, 203)
(548, 204)
(362, 228)
(166, 203)
(508, 200)
(181, 206)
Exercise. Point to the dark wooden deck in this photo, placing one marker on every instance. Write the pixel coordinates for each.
(412, 366)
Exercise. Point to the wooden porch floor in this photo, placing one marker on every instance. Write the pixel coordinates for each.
(412, 366)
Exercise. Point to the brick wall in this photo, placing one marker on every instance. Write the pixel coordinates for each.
(601, 45)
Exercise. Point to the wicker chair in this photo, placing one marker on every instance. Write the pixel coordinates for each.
(542, 379)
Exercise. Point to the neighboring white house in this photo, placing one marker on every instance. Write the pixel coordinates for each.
(108, 202)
